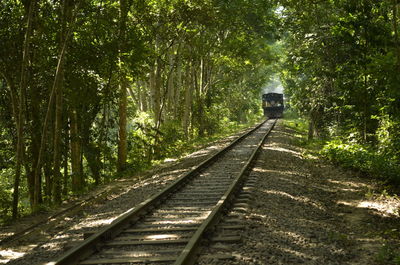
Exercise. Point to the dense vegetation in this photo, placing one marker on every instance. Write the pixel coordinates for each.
(342, 72)
(89, 88)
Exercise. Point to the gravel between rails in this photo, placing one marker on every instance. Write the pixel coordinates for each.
(306, 211)
(55, 238)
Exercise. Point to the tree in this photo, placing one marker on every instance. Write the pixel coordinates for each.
(20, 120)
(104, 94)
(350, 50)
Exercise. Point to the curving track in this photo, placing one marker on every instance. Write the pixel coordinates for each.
(168, 227)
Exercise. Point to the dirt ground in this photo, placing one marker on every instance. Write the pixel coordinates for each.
(304, 210)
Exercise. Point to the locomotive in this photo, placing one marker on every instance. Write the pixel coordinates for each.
(272, 104)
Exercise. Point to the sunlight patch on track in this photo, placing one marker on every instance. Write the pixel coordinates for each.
(301, 199)
(384, 207)
(281, 149)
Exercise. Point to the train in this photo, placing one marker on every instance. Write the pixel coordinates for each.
(272, 104)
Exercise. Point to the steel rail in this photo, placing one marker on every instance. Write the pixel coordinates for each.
(187, 255)
(97, 240)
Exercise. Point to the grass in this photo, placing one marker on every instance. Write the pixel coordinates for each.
(300, 127)
(293, 121)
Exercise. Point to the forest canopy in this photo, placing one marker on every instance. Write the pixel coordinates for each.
(89, 88)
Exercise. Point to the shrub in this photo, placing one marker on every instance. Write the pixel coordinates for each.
(363, 158)
(5, 194)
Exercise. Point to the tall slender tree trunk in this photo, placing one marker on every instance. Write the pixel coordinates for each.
(15, 107)
(57, 147)
(46, 195)
(21, 107)
(76, 161)
(123, 86)
(37, 189)
(188, 101)
(155, 90)
(178, 85)
(65, 16)
(122, 143)
(201, 88)
(171, 82)
(14, 98)
(65, 161)
(396, 32)
(310, 129)
(144, 96)
(35, 134)
(56, 83)
(140, 95)
(313, 124)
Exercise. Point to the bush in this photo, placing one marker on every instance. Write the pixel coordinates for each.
(5, 194)
(363, 158)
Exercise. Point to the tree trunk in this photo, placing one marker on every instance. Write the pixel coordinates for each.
(21, 113)
(15, 110)
(313, 123)
(171, 85)
(396, 32)
(152, 85)
(65, 16)
(92, 155)
(48, 179)
(155, 90)
(122, 143)
(57, 146)
(188, 101)
(144, 96)
(310, 129)
(76, 161)
(200, 102)
(57, 78)
(123, 86)
(37, 172)
(14, 98)
(65, 161)
(140, 95)
(178, 85)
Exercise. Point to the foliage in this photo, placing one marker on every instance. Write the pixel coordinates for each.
(5, 194)
(335, 59)
(167, 73)
(294, 121)
(341, 73)
(364, 158)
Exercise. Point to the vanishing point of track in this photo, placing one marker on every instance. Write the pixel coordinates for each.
(168, 227)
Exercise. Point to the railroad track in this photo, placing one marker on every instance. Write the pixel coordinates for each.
(168, 227)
